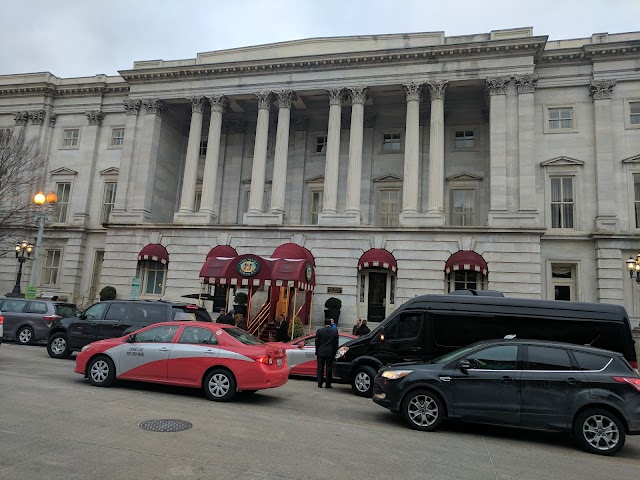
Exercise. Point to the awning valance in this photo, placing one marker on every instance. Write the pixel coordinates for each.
(466, 260)
(155, 253)
(222, 251)
(378, 258)
(244, 271)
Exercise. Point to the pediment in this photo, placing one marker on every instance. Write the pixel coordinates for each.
(464, 177)
(247, 181)
(560, 161)
(634, 159)
(388, 178)
(110, 171)
(318, 179)
(63, 171)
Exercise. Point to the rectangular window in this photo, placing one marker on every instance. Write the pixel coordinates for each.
(563, 281)
(117, 137)
(562, 202)
(389, 212)
(51, 267)
(463, 139)
(560, 118)
(108, 201)
(391, 142)
(463, 207)
(634, 113)
(60, 210)
(70, 137)
(152, 277)
(321, 144)
(316, 206)
(636, 200)
(197, 201)
(266, 199)
(203, 147)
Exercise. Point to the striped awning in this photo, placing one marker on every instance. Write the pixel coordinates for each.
(378, 258)
(466, 260)
(243, 270)
(155, 253)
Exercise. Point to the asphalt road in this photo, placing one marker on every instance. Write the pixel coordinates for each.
(54, 425)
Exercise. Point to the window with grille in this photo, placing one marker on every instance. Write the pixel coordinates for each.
(203, 147)
(560, 118)
(389, 211)
(117, 137)
(391, 142)
(562, 202)
(61, 208)
(266, 199)
(197, 201)
(563, 281)
(152, 277)
(51, 267)
(321, 144)
(634, 113)
(70, 137)
(463, 208)
(466, 279)
(463, 139)
(108, 201)
(315, 206)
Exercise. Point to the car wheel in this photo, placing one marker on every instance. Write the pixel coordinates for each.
(57, 346)
(599, 431)
(423, 410)
(220, 385)
(362, 381)
(25, 336)
(101, 371)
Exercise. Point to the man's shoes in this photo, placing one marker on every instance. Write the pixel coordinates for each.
(328, 386)
(319, 385)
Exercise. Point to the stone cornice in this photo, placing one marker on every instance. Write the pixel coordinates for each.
(592, 52)
(49, 89)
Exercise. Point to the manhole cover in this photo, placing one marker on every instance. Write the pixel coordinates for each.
(165, 425)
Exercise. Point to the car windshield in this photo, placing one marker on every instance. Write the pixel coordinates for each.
(243, 336)
(447, 357)
(66, 310)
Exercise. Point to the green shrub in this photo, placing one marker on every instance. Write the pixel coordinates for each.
(333, 303)
(241, 298)
(107, 293)
(298, 328)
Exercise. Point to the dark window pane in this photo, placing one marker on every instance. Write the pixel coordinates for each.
(544, 358)
(116, 311)
(407, 326)
(37, 307)
(589, 361)
(195, 335)
(562, 292)
(503, 357)
(66, 310)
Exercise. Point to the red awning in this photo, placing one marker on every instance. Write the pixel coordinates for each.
(377, 258)
(293, 267)
(293, 250)
(222, 251)
(244, 271)
(154, 252)
(466, 260)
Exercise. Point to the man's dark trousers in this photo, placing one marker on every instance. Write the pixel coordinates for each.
(322, 361)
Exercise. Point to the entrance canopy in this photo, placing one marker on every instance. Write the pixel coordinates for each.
(222, 251)
(378, 258)
(243, 270)
(293, 267)
(154, 252)
(466, 260)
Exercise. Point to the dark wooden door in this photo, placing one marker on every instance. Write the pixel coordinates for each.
(377, 296)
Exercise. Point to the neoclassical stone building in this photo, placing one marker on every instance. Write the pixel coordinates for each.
(405, 164)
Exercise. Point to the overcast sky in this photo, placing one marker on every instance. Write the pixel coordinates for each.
(72, 38)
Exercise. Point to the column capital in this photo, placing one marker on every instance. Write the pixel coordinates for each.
(601, 89)
(95, 117)
(358, 93)
(264, 100)
(21, 118)
(218, 102)
(197, 104)
(155, 106)
(526, 83)
(37, 116)
(300, 124)
(132, 107)
(335, 95)
(498, 85)
(285, 97)
(412, 91)
(437, 90)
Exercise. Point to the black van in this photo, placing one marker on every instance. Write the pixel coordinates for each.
(432, 325)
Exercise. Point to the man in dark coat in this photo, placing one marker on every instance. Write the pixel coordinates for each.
(282, 330)
(326, 348)
(363, 329)
(225, 318)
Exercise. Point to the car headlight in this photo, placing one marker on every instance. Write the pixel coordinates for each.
(341, 352)
(86, 347)
(395, 374)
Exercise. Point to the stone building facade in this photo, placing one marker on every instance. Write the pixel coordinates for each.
(502, 161)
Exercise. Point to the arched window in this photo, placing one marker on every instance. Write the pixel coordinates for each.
(466, 270)
(153, 263)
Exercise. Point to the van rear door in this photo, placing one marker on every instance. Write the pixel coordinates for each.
(403, 339)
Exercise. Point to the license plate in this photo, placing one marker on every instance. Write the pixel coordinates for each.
(278, 362)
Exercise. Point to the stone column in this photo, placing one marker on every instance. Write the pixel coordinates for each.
(411, 180)
(435, 205)
(279, 182)
(332, 162)
(301, 130)
(358, 96)
(210, 177)
(132, 108)
(256, 196)
(497, 88)
(606, 219)
(190, 176)
(526, 85)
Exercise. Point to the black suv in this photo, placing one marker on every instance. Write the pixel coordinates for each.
(112, 319)
(591, 392)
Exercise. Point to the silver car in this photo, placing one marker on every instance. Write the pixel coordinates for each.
(28, 321)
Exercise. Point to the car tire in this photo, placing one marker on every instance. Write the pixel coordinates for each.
(423, 410)
(362, 381)
(220, 385)
(57, 346)
(599, 431)
(101, 371)
(25, 336)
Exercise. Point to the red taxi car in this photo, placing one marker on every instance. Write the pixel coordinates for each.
(220, 359)
(301, 353)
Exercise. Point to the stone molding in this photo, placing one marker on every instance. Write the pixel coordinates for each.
(602, 89)
(155, 106)
(336, 95)
(437, 90)
(264, 100)
(37, 116)
(412, 92)
(301, 124)
(132, 107)
(218, 102)
(526, 83)
(498, 85)
(52, 120)
(285, 98)
(21, 118)
(197, 104)
(370, 120)
(358, 94)
(95, 117)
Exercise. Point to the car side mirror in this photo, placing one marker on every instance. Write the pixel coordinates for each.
(300, 345)
(464, 365)
(131, 338)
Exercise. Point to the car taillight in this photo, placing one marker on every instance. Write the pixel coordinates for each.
(634, 365)
(49, 319)
(634, 382)
(192, 307)
(1, 319)
(266, 359)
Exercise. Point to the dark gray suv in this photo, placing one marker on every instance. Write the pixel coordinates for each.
(591, 392)
(28, 321)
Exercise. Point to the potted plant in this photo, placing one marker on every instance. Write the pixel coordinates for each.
(298, 328)
(240, 303)
(332, 308)
(107, 293)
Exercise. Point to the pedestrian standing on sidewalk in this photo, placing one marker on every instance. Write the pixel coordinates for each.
(363, 329)
(356, 327)
(326, 348)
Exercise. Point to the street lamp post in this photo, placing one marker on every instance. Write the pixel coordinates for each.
(21, 248)
(633, 265)
(40, 199)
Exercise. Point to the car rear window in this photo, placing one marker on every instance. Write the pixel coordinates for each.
(591, 361)
(148, 313)
(13, 306)
(243, 336)
(546, 358)
(66, 310)
(37, 307)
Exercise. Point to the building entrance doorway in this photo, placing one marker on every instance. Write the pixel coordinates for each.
(376, 298)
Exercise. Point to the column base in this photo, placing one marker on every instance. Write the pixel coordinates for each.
(351, 219)
(195, 218)
(133, 217)
(606, 224)
(263, 219)
(524, 218)
(417, 219)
